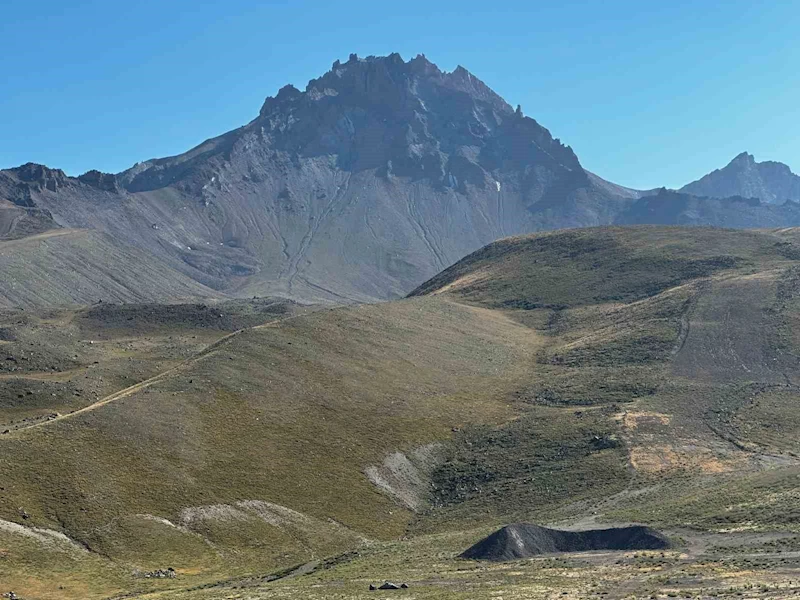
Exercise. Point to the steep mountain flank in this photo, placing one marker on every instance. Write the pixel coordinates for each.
(19, 214)
(77, 267)
(769, 181)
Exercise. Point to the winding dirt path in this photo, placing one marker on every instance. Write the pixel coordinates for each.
(52, 233)
(137, 387)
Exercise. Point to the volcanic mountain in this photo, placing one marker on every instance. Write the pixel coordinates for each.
(378, 175)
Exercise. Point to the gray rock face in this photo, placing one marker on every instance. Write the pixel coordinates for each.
(769, 181)
(374, 178)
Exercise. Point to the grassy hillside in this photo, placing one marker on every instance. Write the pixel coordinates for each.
(590, 266)
(60, 360)
(696, 327)
(258, 449)
(640, 374)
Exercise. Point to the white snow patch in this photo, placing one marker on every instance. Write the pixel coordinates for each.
(497, 183)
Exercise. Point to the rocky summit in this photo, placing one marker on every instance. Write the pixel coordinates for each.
(769, 181)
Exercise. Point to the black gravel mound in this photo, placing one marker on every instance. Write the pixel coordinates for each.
(522, 540)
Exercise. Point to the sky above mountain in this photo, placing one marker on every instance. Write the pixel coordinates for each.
(646, 95)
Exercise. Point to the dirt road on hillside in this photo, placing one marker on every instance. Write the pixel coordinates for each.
(137, 387)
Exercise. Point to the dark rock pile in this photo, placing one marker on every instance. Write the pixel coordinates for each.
(388, 585)
(160, 574)
(523, 540)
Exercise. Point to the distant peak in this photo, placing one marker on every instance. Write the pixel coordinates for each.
(288, 90)
(420, 65)
(285, 94)
(769, 181)
(100, 180)
(462, 74)
(420, 59)
(745, 158)
(35, 172)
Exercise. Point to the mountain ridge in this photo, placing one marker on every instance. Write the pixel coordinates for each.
(770, 181)
(377, 176)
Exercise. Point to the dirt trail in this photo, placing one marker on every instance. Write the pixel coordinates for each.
(695, 546)
(727, 338)
(137, 387)
(39, 237)
(701, 288)
(124, 393)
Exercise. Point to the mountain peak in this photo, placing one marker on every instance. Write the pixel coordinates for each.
(31, 172)
(39, 176)
(768, 181)
(744, 158)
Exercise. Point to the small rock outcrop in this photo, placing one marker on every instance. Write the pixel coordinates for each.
(168, 573)
(102, 181)
(388, 585)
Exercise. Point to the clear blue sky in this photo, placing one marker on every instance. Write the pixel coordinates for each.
(647, 93)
